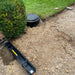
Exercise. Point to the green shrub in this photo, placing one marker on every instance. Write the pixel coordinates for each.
(12, 17)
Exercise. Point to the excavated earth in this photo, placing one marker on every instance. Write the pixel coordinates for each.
(50, 47)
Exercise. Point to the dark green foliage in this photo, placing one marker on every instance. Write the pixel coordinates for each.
(12, 17)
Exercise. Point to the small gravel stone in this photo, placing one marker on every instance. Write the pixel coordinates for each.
(67, 71)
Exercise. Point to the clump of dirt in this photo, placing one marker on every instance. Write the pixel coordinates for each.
(6, 56)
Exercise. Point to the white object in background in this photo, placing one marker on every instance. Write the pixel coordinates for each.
(69, 8)
(56, 8)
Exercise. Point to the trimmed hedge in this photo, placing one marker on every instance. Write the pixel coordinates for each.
(12, 17)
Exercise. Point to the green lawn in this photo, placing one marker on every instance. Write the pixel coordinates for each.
(45, 8)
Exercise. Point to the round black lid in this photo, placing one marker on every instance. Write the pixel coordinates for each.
(32, 17)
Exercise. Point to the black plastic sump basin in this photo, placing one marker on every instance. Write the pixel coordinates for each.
(33, 20)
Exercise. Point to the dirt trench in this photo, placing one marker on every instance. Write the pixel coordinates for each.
(50, 47)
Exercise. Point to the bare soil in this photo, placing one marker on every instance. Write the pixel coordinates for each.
(1, 35)
(50, 47)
